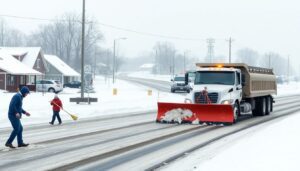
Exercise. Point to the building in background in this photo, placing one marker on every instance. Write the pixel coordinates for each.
(59, 70)
(14, 74)
(32, 57)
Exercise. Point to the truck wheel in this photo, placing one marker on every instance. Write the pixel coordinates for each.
(271, 99)
(269, 105)
(260, 107)
(236, 111)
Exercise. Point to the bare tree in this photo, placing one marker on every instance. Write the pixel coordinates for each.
(10, 36)
(165, 57)
(63, 38)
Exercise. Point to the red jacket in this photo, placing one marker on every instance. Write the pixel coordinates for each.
(57, 104)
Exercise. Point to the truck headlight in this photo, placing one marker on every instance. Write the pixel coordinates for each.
(187, 101)
(227, 101)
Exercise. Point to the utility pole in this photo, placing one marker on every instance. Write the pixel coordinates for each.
(82, 49)
(210, 47)
(230, 42)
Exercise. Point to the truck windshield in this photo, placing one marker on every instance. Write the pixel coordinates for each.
(215, 77)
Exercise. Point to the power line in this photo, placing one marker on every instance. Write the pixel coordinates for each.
(110, 26)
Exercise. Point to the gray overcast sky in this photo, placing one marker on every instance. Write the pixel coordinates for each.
(263, 25)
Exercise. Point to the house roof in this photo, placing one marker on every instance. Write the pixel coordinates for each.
(13, 66)
(61, 66)
(30, 53)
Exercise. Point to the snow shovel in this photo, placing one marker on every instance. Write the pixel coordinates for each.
(74, 117)
(187, 112)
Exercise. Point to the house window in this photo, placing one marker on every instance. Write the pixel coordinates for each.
(11, 80)
(31, 79)
(22, 80)
(38, 63)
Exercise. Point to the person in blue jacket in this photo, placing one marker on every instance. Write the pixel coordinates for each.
(15, 112)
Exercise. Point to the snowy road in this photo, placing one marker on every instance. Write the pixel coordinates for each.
(159, 85)
(119, 143)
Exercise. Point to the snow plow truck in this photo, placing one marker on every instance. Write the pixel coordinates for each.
(221, 93)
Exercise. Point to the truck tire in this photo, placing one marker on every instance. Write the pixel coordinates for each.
(260, 107)
(269, 105)
(236, 111)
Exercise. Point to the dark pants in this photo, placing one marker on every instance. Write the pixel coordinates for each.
(56, 114)
(18, 130)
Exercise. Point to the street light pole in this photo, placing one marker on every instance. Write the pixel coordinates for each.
(114, 57)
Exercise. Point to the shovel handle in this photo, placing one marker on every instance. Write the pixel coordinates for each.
(61, 108)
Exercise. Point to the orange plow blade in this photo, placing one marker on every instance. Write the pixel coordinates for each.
(194, 113)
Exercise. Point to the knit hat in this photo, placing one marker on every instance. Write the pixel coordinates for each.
(24, 90)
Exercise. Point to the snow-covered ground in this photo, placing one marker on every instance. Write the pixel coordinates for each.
(271, 146)
(275, 147)
(129, 98)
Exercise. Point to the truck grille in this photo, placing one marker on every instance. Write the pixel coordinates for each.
(199, 98)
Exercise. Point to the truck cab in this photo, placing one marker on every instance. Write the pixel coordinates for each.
(224, 85)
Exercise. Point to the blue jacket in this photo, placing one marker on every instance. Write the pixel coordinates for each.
(15, 105)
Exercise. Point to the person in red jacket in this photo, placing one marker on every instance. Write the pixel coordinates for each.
(56, 105)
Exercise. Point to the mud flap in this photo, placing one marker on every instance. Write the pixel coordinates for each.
(194, 113)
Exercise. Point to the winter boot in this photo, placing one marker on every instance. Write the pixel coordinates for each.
(23, 145)
(9, 145)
